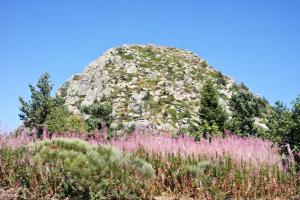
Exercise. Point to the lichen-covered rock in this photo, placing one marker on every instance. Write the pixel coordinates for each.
(147, 83)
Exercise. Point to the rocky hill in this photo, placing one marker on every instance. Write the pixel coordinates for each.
(147, 85)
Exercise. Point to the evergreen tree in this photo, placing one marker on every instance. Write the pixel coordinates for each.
(35, 111)
(279, 123)
(211, 114)
(294, 136)
(245, 108)
(284, 126)
(100, 114)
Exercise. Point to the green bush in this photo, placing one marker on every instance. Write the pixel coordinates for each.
(100, 114)
(76, 123)
(61, 120)
(90, 170)
(57, 120)
(245, 108)
(284, 124)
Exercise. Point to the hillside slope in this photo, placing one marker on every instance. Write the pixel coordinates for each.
(147, 84)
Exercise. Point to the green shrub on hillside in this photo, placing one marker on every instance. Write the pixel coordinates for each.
(61, 120)
(294, 138)
(57, 119)
(245, 108)
(284, 124)
(100, 114)
(93, 171)
(76, 123)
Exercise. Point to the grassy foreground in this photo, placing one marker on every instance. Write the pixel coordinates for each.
(144, 166)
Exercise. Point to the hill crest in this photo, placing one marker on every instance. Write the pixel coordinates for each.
(147, 85)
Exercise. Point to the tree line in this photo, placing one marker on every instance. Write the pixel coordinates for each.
(245, 115)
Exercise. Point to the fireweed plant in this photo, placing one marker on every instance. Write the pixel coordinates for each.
(144, 165)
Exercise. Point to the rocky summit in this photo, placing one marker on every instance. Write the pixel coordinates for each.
(147, 85)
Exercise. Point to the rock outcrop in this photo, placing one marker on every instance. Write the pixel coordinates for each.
(147, 85)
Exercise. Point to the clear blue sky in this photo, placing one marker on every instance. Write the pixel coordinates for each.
(257, 42)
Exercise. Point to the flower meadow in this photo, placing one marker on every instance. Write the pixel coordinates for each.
(144, 164)
(252, 150)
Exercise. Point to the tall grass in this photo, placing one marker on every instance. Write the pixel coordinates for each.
(218, 168)
(254, 150)
(16, 141)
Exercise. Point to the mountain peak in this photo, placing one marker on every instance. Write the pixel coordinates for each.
(147, 85)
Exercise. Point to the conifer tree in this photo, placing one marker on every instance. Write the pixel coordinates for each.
(245, 108)
(212, 115)
(35, 111)
(294, 136)
(100, 114)
(279, 122)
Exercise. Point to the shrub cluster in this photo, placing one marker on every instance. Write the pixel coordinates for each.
(149, 165)
(75, 169)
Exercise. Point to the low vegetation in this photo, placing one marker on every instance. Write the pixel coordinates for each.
(245, 149)
(72, 168)
(145, 165)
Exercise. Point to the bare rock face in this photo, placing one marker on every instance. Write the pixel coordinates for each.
(147, 84)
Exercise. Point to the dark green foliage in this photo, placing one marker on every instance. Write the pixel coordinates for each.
(245, 107)
(244, 87)
(221, 79)
(35, 111)
(100, 114)
(194, 130)
(147, 96)
(279, 123)
(284, 124)
(294, 137)
(170, 72)
(61, 120)
(211, 114)
(284, 128)
(57, 119)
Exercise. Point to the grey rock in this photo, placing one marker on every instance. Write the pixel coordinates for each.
(144, 84)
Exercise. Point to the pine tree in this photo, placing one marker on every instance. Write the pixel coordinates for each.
(279, 123)
(35, 111)
(284, 125)
(100, 114)
(294, 136)
(245, 108)
(212, 116)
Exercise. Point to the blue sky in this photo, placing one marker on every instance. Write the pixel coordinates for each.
(257, 42)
